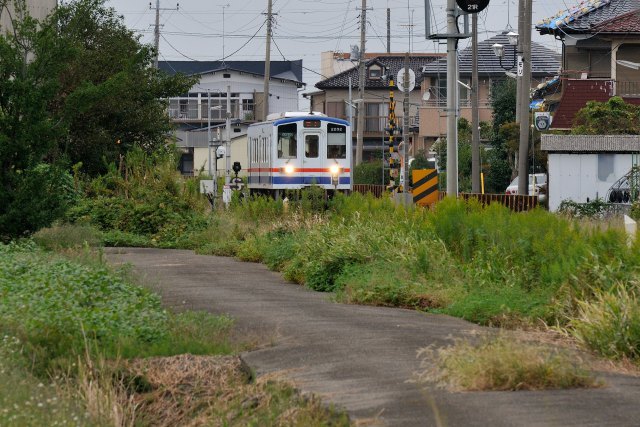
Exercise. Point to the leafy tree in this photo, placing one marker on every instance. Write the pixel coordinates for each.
(499, 158)
(71, 87)
(613, 117)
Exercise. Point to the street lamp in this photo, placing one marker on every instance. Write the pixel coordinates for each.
(498, 49)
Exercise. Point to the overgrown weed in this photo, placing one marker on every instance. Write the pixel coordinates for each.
(501, 363)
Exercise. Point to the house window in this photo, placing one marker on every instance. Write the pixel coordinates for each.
(376, 117)
(605, 166)
(226, 76)
(375, 72)
(247, 104)
(441, 87)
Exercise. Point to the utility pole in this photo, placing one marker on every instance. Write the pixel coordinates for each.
(519, 53)
(227, 142)
(452, 101)
(523, 150)
(388, 30)
(405, 131)
(156, 31)
(267, 62)
(361, 84)
(475, 113)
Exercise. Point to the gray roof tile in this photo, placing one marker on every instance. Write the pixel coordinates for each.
(287, 69)
(545, 62)
(393, 64)
(582, 22)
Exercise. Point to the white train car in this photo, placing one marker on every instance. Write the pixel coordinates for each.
(291, 151)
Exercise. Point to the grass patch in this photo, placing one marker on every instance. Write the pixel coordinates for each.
(67, 236)
(501, 363)
(610, 324)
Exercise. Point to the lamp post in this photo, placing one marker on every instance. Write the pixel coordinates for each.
(498, 50)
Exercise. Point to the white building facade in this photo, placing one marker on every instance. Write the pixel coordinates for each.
(583, 168)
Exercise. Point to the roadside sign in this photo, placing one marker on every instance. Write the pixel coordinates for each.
(472, 6)
(520, 66)
(542, 121)
(400, 80)
(206, 186)
(425, 187)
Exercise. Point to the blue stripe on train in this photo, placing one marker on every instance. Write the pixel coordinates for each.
(296, 180)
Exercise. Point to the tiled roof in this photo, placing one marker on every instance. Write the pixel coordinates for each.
(586, 15)
(623, 24)
(393, 64)
(545, 62)
(591, 143)
(290, 70)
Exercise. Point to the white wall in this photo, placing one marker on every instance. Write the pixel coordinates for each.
(284, 94)
(575, 176)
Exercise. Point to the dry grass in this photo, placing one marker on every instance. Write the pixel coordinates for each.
(191, 390)
(502, 363)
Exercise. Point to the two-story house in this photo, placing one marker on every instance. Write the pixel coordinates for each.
(206, 103)
(601, 54)
(545, 64)
(333, 96)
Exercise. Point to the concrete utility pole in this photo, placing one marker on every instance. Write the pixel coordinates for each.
(156, 32)
(388, 30)
(267, 62)
(452, 101)
(519, 53)
(227, 142)
(475, 113)
(523, 150)
(361, 84)
(156, 35)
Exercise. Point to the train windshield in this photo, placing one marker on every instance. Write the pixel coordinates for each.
(287, 142)
(336, 141)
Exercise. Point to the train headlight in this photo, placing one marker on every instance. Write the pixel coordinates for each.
(288, 169)
(334, 169)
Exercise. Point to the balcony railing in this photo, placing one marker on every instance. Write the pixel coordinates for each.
(627, 89)
(191, 109)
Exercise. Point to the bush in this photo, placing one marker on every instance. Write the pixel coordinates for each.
(39, 196)
(67, 236)
(370, 173)
(503, 364)
(610, 323)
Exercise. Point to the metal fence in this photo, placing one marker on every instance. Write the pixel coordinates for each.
(376, 190)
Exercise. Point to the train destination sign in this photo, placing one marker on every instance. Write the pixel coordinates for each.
(472, 6)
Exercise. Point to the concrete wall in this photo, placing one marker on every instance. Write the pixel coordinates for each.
(38, 9)
(579, 177)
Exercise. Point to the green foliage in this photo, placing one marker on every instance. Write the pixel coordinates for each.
(67, 236)
(76, 87)
(635, 211)
(34, 198)
(370, 173)
(53, 304)
(503, 103)
(613, 117)
(145, 202)
(503, 364)
(593, 209)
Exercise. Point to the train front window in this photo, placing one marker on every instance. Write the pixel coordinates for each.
(287, 141)
(336, 141)
(311, 144)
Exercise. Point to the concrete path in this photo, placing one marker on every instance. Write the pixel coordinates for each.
(360, 358)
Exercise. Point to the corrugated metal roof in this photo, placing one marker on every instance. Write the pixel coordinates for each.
(586, 15)
(576, 95)
(392, 63)
(290, 70)
(591, 143)
(544, 62)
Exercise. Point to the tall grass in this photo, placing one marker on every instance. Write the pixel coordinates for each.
(501, 363)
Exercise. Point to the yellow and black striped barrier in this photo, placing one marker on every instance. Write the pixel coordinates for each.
(425, 187)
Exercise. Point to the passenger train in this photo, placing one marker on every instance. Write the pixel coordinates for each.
(290, 151)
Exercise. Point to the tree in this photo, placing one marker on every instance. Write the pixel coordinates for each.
(71, 87)
(614, 117)
(501, 168)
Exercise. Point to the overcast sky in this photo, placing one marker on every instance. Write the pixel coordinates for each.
(304, 28)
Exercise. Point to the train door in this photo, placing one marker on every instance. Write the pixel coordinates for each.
(311, 161)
